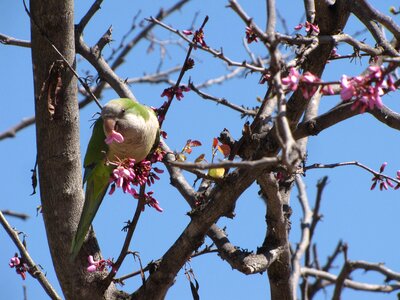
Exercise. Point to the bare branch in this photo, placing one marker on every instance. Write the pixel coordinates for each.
(15, 214)
(8, 40)
(271, 16)
(352, 163)
(11, 132)
(378, 267)
(222, 101)
(255, 164)
(218, 54)
(310, 10)
(88, 16)
(363, 11)
(387, 288)
(305, 234)
(33, 268)
(129, 235)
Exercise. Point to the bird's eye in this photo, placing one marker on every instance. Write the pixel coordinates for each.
(123, 110)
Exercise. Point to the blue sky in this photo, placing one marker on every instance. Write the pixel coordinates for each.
(366, 220)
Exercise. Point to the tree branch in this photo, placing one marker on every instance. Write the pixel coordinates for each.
(33, 268)
(8, 40)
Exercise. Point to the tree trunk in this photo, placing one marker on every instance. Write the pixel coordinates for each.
(59, 159)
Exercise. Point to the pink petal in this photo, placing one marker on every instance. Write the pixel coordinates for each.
(114, 137)
(298, 27)
(91, 269)
(91, 260)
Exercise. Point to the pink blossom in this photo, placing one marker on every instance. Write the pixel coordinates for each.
(390, 83)
(14, 261)
(128, 174)
(348, 89)
(198, 38)
(334, 53)
(114, 136)
(20, 266)
(298, 27)
(175, 91)
(150, 200)
(328, 90)
(367, 90)
(308, 87)
(187, 32)
(383, 166)
(251, 35)
(311, 27)
(99, 265)
(292, 80)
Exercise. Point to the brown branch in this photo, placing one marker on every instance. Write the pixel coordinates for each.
(8, 40)
(14, 214)
(88, 16)
(222, 101)
(94, 57)
(222, 199)
(278, 224)
(271, 16)
(351, 163)
(367, 15)
(11, 132)
(378, 267)
(306, 236)
(387, 288)
(256, 164)
(215, 53)
(241, 260)
(373, 14)
(33, 267)
(343, 275)
(309, 6)
(129, 235)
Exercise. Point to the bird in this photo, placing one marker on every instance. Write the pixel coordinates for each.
(125, 129)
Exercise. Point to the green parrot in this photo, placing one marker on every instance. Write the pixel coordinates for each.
(125, 129)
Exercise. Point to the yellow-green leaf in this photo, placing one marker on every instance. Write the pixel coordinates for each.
(216, 173)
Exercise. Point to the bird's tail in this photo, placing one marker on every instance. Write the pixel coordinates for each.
(93, 200)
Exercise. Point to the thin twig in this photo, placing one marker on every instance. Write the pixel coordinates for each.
(222, 101)
(129, 235)
(33, 268)
(387, 288)
(15, 214)
(8, 40)
(88, 16)
(260, 163)
(305, 234)
(351, 163)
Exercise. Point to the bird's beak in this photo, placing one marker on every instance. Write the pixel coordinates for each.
(109, 125)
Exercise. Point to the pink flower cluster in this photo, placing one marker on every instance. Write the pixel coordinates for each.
(20, 266)
(175, 91)
(150, 200)
(308, 26)
(251, 35)
(384, 182)
(366, 90)
(128, 174)
(307, 82)
(198, 37)
(99, 265)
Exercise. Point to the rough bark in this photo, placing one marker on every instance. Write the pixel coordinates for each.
(57, 134)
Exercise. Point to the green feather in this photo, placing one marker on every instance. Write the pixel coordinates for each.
(97, 173)
(96, 177)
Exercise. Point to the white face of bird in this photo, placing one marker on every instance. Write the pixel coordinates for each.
(139, 133)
